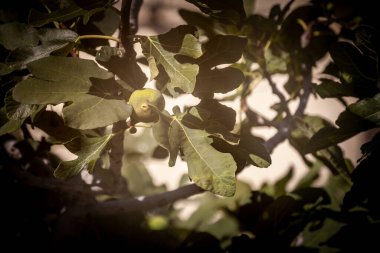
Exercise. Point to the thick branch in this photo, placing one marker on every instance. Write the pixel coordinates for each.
(149, 202)
(47, 183)
(284, 128)
(129, 22)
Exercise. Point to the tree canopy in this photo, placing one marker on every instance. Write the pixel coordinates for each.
(220, 55)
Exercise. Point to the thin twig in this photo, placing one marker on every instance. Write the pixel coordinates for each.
(304, 98)
(277, 92)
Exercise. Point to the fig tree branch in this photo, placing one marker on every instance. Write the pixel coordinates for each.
(146, 203)
(277, 92)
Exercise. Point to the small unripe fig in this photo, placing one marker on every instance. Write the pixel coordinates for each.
(132, 130)
(142, 102)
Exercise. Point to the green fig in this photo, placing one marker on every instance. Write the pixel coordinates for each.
(143, 101)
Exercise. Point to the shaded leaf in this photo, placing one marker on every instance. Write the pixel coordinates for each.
(197, 19)
(126, 68)
(219, 50)
(350, 60)
(37, 18)
(88, 150)
(160, 50)
(349, 125)
(228, 11)
(302, 138)
(92, 4)
(222, 49)
(331, 89)
(365, 188)
(368, 109)
(254, 151)
(52, 124)
(17, 35)
(282, 183)
(291, 30)
(218, 112)
(367, 40)
(140, 182)
(218, 81)
(106, 21)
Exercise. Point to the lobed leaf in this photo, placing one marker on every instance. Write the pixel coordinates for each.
(59, 79)
(368, 109)
(37, 44)
(209, 168)
(17, 35)
(162, 49)
(88, 153)
(227, 11)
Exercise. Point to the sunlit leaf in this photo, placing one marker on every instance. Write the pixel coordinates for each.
(18, 111)
(58, 79)
(276, 63)
(208, 168)
(90, 112)
(8, 125)
(162, 49)
(88, 153)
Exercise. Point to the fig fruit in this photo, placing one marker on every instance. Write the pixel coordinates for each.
(143, 101)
